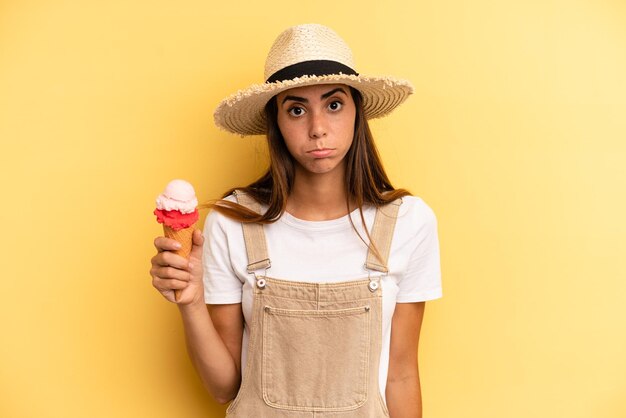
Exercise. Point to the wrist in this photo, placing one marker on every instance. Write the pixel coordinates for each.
(193, 307)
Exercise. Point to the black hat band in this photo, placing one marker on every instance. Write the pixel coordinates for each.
(311, 68)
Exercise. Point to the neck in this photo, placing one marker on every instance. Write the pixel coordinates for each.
(318, 197)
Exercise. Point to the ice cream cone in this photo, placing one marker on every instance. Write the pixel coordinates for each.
(177, 210)
(185, 237)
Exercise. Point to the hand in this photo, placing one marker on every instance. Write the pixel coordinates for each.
(172, 272)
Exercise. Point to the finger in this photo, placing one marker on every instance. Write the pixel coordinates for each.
(163, 285)
(197, 243)
(170, 273)
(168, 289)
(167, 258)
(166, 244)
(169, 295)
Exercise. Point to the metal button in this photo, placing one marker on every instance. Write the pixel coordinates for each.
(260, 283)
(373, 286)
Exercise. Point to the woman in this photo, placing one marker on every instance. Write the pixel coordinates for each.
(315, 276)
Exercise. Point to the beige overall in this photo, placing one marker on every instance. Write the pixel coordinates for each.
(314, 348)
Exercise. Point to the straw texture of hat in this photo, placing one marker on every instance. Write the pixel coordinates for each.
(304, 55)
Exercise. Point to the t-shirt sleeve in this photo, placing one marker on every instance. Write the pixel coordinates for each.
(221, 283)
(422, 278)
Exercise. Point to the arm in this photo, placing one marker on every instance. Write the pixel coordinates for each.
(214, 346)
(404, 399)
(213, 341)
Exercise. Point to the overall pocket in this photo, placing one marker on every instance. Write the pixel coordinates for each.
(315, 360)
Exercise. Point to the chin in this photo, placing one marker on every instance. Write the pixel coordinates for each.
(323, 169)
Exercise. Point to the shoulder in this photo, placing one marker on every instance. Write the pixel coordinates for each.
(416, 223)
(217, 221)
(416, 212)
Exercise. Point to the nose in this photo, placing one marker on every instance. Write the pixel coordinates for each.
(317, 125)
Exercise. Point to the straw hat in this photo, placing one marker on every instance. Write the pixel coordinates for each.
(304, 55)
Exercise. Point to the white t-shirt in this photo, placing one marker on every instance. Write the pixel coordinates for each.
(326, 252)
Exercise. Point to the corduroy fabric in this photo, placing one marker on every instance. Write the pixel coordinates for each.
(382, 233)
(314, 348)
(256, 247)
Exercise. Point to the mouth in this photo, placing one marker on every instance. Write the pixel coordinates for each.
(320, 152)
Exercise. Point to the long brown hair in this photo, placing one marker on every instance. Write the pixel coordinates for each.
(366, 181)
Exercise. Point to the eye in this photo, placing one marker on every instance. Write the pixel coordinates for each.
(296, 111)
(335, 106)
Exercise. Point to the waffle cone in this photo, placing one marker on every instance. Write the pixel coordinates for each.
(185, 237)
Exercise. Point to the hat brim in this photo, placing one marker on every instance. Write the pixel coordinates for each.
(242, 113)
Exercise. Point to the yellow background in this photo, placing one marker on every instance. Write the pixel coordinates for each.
(516, 137)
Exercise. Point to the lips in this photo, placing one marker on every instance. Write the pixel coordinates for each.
(320, 153)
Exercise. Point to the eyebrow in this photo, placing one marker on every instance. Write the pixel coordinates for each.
(324, 96)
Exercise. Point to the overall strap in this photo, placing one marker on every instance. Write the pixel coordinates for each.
(254, 236)
(382, 233)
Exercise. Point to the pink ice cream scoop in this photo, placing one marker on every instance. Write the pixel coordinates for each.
(177, 205)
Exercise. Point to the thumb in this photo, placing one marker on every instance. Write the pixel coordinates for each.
(196, 247)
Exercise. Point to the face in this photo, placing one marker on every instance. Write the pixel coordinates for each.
(317, 123)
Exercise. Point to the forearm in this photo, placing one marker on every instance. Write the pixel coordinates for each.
(209, 355)
(404, 398)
